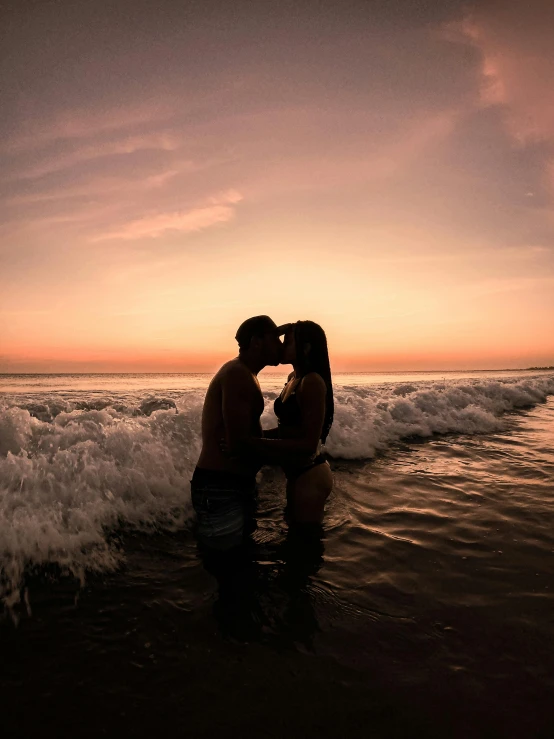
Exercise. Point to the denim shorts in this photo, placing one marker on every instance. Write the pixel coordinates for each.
(225, 505)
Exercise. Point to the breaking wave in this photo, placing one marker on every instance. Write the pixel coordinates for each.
(73, 468)
(368, 420)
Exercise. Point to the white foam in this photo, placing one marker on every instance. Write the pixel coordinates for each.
(74, 468)
(64, 485)
(368, 420)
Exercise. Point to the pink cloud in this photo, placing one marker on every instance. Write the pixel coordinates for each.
(128, 145)
(78, 124)
(387, 160)
(517, 65)
(106, 185)
(220, 210)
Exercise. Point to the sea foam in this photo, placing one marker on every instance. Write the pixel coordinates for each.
(74, 469)
(66, 483)
(369, 420)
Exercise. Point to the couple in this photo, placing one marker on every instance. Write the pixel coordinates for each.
(234, 447)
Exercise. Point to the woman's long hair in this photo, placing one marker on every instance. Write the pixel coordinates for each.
(317, 360)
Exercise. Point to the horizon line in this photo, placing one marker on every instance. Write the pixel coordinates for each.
(341, 372)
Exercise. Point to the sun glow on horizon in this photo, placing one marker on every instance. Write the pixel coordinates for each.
(375, 316)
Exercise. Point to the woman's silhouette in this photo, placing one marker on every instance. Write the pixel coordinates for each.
(305, 410)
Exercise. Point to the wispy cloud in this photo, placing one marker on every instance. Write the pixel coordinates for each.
(219, 210)
(85, 123)
(105, 185)
(381, 159)
(127, 145)
(517, 68)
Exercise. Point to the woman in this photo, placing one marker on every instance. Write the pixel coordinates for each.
(305, 413)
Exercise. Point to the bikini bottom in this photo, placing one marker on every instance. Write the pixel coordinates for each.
(292, 473)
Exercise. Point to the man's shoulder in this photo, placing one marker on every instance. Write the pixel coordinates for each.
(234, 372)
(234, 367)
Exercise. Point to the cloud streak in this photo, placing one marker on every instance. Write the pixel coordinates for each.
(122, 147)
(83, 123)
(517, 67)
(220, 210)
(100, 186)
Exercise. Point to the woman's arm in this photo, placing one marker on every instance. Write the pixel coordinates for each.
(275, 433)
(312, 407)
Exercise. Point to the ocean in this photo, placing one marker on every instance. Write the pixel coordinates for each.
(426, 609)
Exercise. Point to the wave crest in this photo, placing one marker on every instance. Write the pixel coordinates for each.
(368, 420)
(72, 470)
(64, 485)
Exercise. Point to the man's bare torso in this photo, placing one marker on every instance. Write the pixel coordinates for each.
(213, 425)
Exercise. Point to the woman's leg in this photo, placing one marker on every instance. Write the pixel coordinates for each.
(307, 494)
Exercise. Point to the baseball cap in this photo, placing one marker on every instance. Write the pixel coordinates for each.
(258, 326)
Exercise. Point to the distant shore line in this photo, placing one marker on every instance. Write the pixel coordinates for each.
(345, 372)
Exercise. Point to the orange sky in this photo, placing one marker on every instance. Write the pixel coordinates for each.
(168, 173)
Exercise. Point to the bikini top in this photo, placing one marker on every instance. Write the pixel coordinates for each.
(288, 411)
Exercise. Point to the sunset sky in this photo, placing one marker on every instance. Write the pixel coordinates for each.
(171, 168)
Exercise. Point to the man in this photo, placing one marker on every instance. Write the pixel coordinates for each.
(223, 486)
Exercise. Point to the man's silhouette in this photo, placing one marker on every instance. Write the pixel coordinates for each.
(223, 486)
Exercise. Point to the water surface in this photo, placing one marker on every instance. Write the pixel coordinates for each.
(426, 607)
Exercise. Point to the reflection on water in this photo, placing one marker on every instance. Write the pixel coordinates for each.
(267, 600)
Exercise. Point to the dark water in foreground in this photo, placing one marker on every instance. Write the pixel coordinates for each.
(426, 609)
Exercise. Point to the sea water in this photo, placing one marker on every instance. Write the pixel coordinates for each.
(437, 563)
